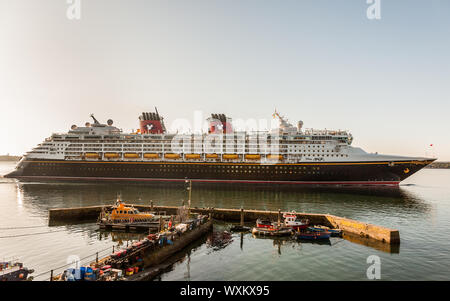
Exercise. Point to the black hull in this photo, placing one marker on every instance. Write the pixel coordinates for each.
(338, 173)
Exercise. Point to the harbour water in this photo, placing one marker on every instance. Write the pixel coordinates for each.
(419, 209)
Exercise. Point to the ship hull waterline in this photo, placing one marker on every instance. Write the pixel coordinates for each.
(317, 173)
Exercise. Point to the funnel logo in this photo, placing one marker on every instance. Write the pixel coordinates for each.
(149, 126)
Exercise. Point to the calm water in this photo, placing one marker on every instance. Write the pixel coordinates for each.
(420, 209)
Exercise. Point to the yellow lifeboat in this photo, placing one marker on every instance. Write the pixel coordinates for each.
(193, 156)
(211, 156)
(275, 157)
(252, 157)
(92, 155)
(230, 156)
(123, 213)
(131, 155)
(151, 156)
(172, 156)
(111, 155)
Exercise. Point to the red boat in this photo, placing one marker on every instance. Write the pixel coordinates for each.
(264, 223)
(290, 220)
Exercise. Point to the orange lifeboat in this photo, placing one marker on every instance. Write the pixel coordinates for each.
(211, 156)
(92, 155)
(275, 157)
(252, 157)
(230, 156)
(151, 156)
(111, 155)
(122, 213)
(193, 156)
(172, 156)
(131, 155)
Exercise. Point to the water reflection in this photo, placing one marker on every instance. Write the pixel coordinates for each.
(183, 257)
(371, 243)
(420, 212)
(19, 196)
(120, 237)
(218, 240)
(339, 201)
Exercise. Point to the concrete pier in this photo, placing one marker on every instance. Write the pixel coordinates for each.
(348, 226)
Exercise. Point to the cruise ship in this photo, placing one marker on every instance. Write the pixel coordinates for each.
(287, 154)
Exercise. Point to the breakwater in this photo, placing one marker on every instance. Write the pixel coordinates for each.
(348, 226)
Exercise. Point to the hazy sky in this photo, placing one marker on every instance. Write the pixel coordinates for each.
(323, 62)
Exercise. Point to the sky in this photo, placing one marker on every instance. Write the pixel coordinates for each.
(324, 62)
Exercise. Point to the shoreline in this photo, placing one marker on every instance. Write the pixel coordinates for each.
(8, 158)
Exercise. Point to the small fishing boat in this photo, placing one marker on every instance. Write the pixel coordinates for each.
(272, 231)
(313, 235)
(264, 223)
(291, 220)
(334, 232)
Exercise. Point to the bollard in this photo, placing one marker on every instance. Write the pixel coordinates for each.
(242, 216)
(279, 217)
(96, 257)
(151, 205)
(113, 249)
(51, 275)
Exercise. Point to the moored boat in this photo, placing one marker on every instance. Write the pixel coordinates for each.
(334, 232)
(291, 220)
(313, 235)
(272, 231)
(121, 213)
(264, 223)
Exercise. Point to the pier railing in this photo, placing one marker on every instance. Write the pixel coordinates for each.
(48, 275)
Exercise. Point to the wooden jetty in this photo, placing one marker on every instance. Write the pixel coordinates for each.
(348, 226)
